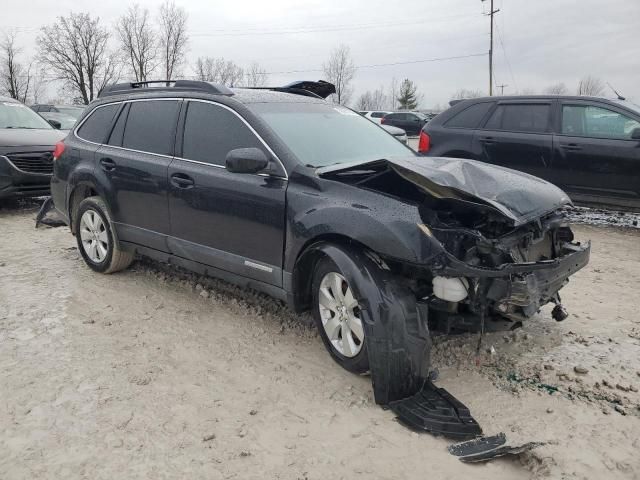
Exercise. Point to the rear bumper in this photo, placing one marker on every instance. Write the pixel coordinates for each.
(17, 183)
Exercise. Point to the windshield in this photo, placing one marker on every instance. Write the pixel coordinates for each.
(74, 112)
(17, 115)
(320, 134)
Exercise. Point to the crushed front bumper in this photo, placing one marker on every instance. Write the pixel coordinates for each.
(529, 285)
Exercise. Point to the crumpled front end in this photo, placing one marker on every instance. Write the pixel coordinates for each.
(497, 272)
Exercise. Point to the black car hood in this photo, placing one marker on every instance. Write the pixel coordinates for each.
(24, 137)
(518, 196)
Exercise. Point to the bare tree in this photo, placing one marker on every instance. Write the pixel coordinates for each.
(256, 76)
(463, 93)
(393, 94)
(75, 50)
(372, 100)
(38, 84)
(138, 42)
(340, 70)
(590, 86)
(173, 37)
(556, 89)
(218, 70)
(15, 78)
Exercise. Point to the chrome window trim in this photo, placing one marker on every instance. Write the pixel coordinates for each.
(75, 133)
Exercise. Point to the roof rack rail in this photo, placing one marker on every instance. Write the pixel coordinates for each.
(166, 85)
(308, 88)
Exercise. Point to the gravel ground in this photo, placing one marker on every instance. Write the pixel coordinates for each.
(155, 373)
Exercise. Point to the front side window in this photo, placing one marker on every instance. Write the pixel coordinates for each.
(528, 118)
(212, 131)
(151, 126)
(320, 134)
(598, 122)
(95, 127)
(18, 116)
(470, 117)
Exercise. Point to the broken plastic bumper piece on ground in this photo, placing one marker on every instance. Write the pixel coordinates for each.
(487, 448)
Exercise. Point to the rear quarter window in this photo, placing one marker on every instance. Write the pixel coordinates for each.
(96, 126)
(470, 117)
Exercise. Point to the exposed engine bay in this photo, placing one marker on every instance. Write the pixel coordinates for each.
(497, 260)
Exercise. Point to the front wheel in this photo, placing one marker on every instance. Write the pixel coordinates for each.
(95, 238)
(338, 317)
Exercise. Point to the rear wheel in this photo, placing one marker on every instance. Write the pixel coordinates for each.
(338, 317)
(95, 238)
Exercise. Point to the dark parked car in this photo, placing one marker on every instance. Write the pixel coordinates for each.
(410, 122)
(60, 121)
(588, 146)
(381, 244)
(26, 150)
(70, 110)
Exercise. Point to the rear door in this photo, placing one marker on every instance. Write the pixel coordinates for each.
(518, 135)
(594, 153)
(134, 164)
(231, 221)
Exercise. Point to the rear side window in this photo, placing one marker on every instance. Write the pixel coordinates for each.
(211, 131)
(96, 127)
(151, 126)
(470, 117)
(531, 118)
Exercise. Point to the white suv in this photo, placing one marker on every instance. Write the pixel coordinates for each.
(374, 115)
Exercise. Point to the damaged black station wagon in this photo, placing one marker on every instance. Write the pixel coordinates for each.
(280, 191)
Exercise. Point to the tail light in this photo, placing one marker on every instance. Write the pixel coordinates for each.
(382, 120)
(424, 144)
(59, 150)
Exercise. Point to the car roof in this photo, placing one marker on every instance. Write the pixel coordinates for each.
(8, 100)
(536, 97)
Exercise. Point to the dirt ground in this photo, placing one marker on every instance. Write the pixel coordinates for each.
(153, 373)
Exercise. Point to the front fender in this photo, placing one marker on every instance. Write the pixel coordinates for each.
(395, 324)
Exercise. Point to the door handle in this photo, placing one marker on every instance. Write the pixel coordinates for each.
(107, 164)
(487, 140)
(181, 180)
(571, 146)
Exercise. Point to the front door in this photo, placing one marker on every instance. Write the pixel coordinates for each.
(135, 161)
(231, 221)
(594, 154)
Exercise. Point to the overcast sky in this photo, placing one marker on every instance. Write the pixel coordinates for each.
(537, 43)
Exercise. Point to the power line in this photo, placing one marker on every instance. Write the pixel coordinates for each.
(376, 65)
(506, 59)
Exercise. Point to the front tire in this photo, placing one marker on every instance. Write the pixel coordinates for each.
(95, 238)
(338, 317)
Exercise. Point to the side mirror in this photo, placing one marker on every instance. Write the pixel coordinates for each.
(55, 124)
(246, 160)
(635, 134)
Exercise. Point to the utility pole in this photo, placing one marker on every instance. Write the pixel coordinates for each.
(501, 87)
(491, 13)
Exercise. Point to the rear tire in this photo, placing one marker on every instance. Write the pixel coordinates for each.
(338, 318)
(96, 242)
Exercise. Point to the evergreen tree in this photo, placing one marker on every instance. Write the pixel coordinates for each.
(407, 97)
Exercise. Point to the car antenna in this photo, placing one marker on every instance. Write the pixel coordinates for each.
(620, 97)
